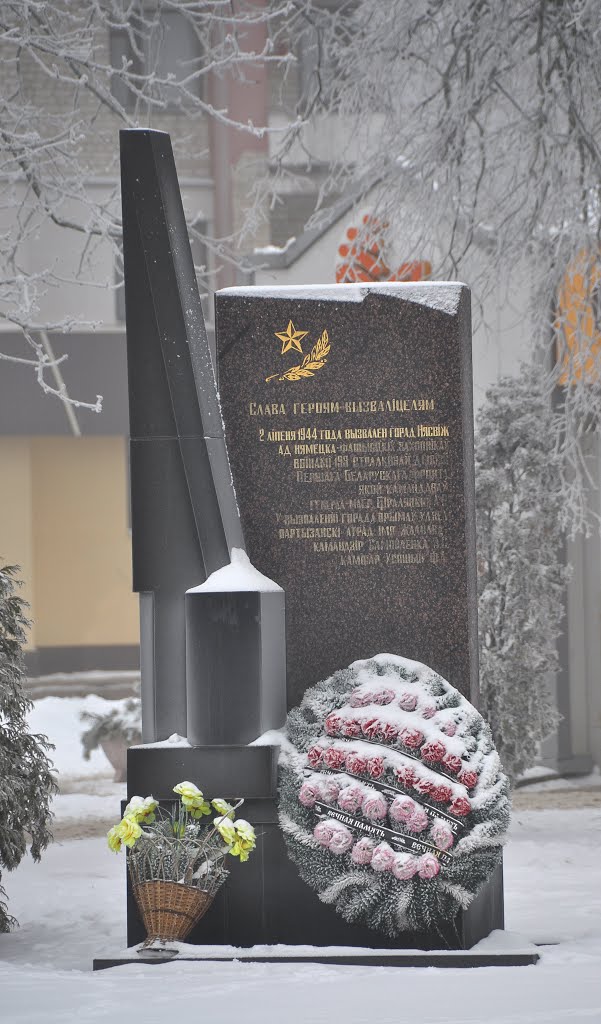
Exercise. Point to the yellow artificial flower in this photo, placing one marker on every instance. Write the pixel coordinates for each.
(128, 831)
(241, 850)
(245, 832)
(188, 791)
(192, 799)
(141, 808)
(203, 808)
(225, 827)
(222, 807)
(113, 839)
(244, 841)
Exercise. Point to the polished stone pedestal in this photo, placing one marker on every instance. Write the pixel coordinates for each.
(265, 902)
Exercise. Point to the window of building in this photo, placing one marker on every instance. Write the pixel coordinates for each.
(161, 46)
(318, 48)
(288, 217)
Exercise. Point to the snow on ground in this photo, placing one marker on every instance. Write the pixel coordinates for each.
(58, 718)
(591, 781)
(71, 908)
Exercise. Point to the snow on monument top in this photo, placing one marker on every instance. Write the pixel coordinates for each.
(441, 295)
(240, 574)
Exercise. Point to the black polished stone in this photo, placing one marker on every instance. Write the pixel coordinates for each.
(360, 511)
(249, 772)
(235, 665)
(184, 516)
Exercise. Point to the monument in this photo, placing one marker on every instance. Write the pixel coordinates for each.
(348, 423)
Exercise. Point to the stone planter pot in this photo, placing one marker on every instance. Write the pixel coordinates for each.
(115, 749)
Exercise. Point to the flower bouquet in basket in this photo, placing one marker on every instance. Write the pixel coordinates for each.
(176, 860)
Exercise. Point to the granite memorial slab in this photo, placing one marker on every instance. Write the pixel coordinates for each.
(348, 420)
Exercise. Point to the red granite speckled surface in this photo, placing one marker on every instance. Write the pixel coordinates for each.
(370, 532)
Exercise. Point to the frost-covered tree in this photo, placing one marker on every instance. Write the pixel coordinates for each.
(521, 578)
(71, 75)
(26, 782)
(475, 127)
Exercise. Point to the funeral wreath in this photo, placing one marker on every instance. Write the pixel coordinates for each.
(393, 801)
(176, 859)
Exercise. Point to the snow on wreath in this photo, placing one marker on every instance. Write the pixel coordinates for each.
(393, 801)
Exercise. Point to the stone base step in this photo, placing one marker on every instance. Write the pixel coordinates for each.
(340, 956)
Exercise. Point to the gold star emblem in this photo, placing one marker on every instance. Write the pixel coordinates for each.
(291, 338)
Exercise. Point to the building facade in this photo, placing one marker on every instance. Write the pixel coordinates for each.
(64, 514)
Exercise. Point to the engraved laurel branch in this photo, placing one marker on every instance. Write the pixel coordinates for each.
(314, 360)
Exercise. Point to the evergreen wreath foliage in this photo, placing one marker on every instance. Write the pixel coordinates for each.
(26, 782)
(393, 803)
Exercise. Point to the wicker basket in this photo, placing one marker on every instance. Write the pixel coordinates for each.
(170, 910)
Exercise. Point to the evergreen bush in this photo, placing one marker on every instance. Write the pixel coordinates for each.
(521, 576)
(26, 782)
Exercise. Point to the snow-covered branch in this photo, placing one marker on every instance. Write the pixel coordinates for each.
(476, 126)
(71, 75)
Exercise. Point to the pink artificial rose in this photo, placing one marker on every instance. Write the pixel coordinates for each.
(424, 787)
(383, 697)
(401, 808)
(433, 751)
(407, 776)
(460, 806)
(323, 832)
(389, 732)
(309, 793)
(450, 729)
(412, 738)
(441, 835)
(371, 728)
(375, 767)
(442, 794)
(341, 840)
(351, 727)
(419, 820)
(349, 798)
(452, 763)
(314, 756)
(404, 866)
(374, 806)
(329, 790)
(468, 778)
(428, 866)
(334, 758)
(382, 857)
(359, 700)
(428, 711)
(362, 851)
(333, 723)
(355, 763)
(408, 701)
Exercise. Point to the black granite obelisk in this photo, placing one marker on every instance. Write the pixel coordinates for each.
(184, 515)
